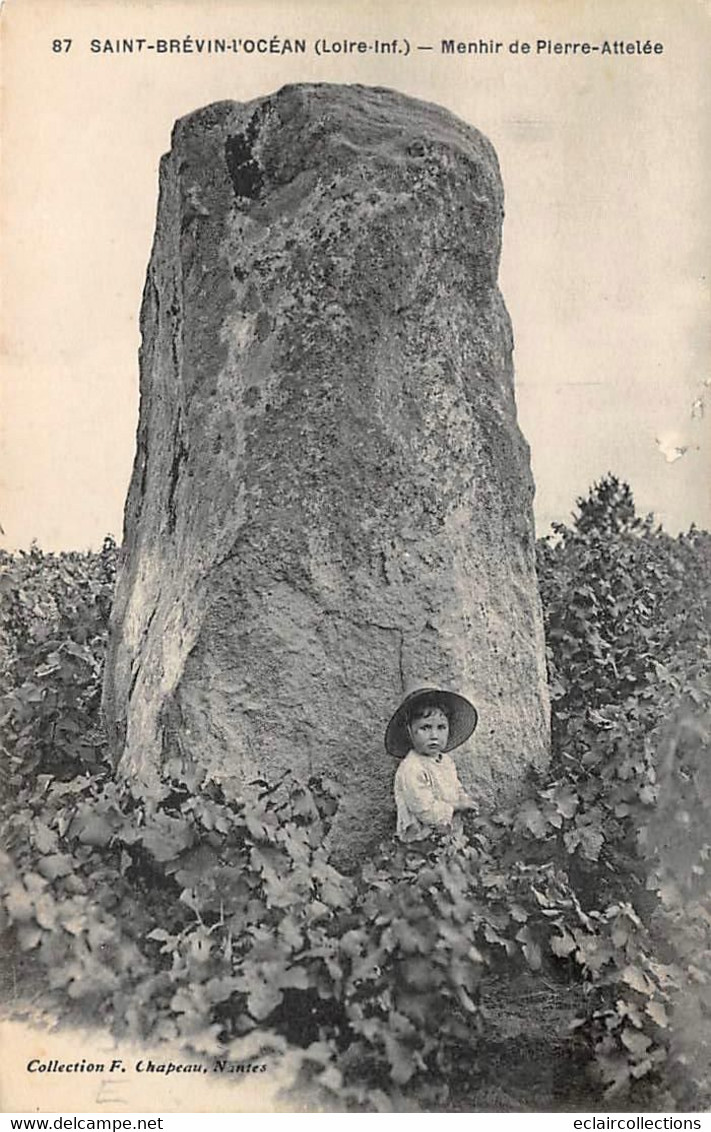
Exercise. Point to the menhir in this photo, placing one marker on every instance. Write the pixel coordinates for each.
(331, 497)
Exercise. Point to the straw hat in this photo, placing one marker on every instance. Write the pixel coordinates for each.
(462, 719)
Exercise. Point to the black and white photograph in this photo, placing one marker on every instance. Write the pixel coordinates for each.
(355, 701)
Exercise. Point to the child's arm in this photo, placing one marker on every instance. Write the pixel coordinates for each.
(464, 801)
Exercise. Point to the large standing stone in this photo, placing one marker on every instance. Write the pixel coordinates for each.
(330, 495)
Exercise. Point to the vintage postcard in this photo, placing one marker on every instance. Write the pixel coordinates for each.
(355, 402)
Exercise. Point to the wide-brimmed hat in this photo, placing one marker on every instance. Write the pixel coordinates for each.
(462, 719)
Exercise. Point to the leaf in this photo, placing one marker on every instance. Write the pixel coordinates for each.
(566, 801)
(196, 868)
(620, 934)
(541, 898)
(402, 1063)
(469, 1005)
(19, 904)
(635, 1042)
(669, 895)
(492, 936)
(28, 936)
(267, 859)
(335, 894)
(332, 1079)
(317, 911)
(353, 943)
(100, 934)
(636, 978)
(318, 1053)
(616, 1071)
(206, 1039)
(34, 883)
(91, 828)
(80, 652)
(252, 1046)
(530, 817)
(55, 866)
(630, 1011)
(533, 956)
(563, 945)
(592, 952)
(257, 828)
(200, 947)
(642, 1068)
(182, 1002)
(303, 804)
(418, 973)
(591, 841)
(262, 1000)
(89, 979)
(290, 933)
(369, 967)
(164, 937)
(295, 977)
(167, 837)
(45, 839)
(657, 1013)
(45, 911)
(73, 921)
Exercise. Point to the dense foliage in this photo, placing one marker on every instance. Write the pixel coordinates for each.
(53, 623)
(225, 926)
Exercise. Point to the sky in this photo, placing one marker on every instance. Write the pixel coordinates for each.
(606, 163)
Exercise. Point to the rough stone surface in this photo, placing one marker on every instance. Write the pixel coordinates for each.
(331, 495)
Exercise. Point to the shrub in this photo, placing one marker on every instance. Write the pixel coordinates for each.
(224, 926)
(627, 613)
(54, 620)
(206, 922)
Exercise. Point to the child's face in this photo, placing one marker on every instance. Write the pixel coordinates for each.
(429, 733)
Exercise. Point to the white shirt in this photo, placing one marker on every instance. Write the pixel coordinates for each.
(427, 791)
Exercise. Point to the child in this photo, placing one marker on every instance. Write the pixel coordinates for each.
(428, 723)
